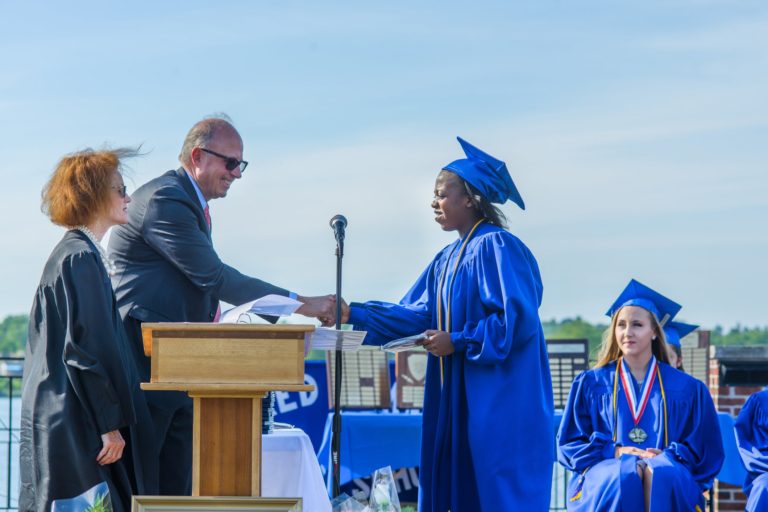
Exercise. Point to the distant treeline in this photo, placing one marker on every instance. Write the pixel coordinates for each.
(578, 328)
(13, 333)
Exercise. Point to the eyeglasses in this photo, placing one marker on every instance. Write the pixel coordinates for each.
(122, 190)
(231, 162)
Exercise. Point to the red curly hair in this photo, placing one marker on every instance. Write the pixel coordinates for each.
(79, 188)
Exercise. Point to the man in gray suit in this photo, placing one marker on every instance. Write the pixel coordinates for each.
(168, 271)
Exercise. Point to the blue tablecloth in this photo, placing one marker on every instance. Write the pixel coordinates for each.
(370, 440)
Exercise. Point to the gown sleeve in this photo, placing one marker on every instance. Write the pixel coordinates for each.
(385, 321)
(580, 443)
(751, 430)
(90, 353)
(699, 447)
(510, 292)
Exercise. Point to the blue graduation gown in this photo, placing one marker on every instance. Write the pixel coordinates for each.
(751, 429)
(681, 473)
(487, 434)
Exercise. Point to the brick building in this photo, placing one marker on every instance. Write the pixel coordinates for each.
(735, 373)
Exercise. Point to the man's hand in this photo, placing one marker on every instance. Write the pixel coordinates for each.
(331, 320)
(322, 307)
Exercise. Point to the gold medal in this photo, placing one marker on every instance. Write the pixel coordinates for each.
(637, 435)
(640, 435)
(637, 404)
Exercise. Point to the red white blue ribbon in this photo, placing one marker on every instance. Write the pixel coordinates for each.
(637, 405)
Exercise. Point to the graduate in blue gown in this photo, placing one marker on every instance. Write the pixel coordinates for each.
(487, 435)
(637, 433)
(674, 332)
(752, 439)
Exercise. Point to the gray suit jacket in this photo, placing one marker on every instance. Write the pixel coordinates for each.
(167, 268)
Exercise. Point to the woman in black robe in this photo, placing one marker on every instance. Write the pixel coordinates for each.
(83, 419)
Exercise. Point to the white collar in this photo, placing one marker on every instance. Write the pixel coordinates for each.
(200, 197)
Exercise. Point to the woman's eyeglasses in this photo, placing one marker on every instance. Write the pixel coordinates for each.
(230, 162)
(122, 190)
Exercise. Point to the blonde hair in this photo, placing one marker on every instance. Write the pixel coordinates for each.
(610, 351)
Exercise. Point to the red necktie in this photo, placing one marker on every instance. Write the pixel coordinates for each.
(207, 217)
(208, 220)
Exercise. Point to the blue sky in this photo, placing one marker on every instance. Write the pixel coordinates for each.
(635, 131)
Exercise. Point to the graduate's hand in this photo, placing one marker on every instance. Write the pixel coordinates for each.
(113, 448)
(437, 342)
(330, 321)
(631, 450)
(322, 307)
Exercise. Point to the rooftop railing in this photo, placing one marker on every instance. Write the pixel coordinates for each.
(10, 406)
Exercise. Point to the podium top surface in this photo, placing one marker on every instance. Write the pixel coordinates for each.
(224, 390)
(216, 330)
(226, 357)
(206, 326)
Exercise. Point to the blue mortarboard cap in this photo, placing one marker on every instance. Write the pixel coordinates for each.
(487, 174)
(675, 331)
(637, 294)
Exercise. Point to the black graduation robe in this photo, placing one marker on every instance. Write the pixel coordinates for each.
(79, 382)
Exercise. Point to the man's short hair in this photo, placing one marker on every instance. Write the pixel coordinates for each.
(202, 133)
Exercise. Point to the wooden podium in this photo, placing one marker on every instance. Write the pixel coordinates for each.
(227, 369)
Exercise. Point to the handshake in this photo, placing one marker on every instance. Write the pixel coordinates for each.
(323, 307)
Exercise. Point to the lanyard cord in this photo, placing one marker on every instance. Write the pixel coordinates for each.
(450, 288)
(616, 411)
(664, 401)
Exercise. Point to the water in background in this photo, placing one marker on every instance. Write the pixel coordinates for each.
(10, 413)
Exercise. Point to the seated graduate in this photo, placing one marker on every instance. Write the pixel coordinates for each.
(674, 332)
(638, 434)
(84, 420)
(752, 439)
(487, 426)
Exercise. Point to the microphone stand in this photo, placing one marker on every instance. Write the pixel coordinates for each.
(336, 439)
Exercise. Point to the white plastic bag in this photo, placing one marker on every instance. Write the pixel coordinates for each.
(345, 503)
(384, 492)
(95, 499)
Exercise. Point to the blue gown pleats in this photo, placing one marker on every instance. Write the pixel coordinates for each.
(682, 472)
(487, 431)
(751, 428)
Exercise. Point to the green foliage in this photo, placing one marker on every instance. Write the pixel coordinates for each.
(739, 335)
(316, 355)
(13, 335)
(578, 328)
(575, 328)
(102, 504)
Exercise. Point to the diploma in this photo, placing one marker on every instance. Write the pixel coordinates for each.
(407, 343)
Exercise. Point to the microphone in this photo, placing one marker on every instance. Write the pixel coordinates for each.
(338, 224)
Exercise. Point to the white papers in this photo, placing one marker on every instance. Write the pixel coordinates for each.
(273, 305)
(407, 343)
(325, 338)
